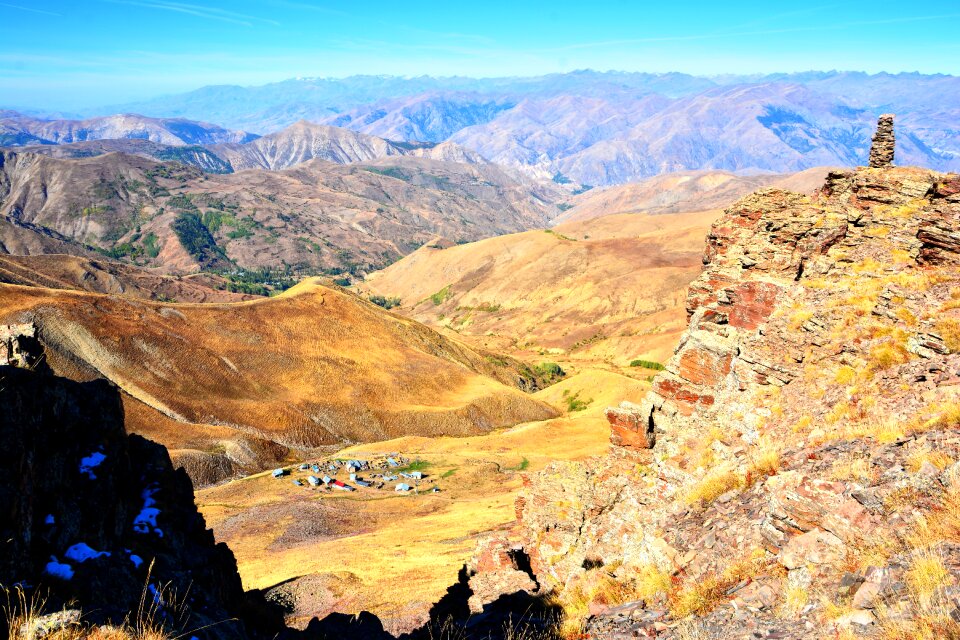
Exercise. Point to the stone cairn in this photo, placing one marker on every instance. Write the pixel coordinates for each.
(881, 151)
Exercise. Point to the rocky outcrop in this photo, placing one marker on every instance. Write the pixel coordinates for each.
(629, 427)
(883, 144)
(19, 346)
(809, 416)
(100, 519)
(758, 259)
(498, 568)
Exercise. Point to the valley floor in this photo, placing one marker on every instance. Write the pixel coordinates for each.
(394, 554)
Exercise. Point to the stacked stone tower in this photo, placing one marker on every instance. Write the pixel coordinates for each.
(881, 151)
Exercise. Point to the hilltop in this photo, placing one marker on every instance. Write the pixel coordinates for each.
(230, 387)
(802, 477)
(18, 129)
(59, 271)
(610, 288)
(682, 191)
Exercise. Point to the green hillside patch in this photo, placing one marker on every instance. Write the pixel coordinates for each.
(198, 241)
(647, 364)
(441, 296)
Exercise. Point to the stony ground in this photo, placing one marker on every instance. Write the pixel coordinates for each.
(803, 479)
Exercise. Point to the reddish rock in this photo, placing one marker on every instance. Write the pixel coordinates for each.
(686, 399)
(948, 188)
(495, 571)
(704, 367)
(751, 304)
(817, 547)
(629, 427)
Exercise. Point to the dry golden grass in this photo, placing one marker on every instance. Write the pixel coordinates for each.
(931, 610)
(22, 613)
(926, 575)
(765, 459)
(713, 485)
(697, 597)
(418, 541)
(795, 599)
(924, 454)
(310, 367)
(949, 330)
(845, 375)
(887, 355)
(601, 587)
(852, 469)
(624, 279)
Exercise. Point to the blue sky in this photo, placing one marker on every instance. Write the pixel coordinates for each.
(63, 55)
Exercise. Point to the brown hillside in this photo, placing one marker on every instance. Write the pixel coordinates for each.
(310, 368)
(612, 287)
(57, 271)
(315, 216)
(683, 191)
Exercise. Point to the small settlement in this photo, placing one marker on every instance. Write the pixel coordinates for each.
(390, 472)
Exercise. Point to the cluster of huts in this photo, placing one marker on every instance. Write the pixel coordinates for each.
(379, 474)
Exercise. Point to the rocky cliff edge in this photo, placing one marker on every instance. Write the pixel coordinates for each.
(793, 472)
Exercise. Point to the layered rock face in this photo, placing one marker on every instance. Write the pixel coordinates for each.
(882, 148)
(94, 519)
(802, 480)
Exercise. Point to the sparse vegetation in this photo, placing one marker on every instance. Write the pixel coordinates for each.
(259, 282)
(381, 301)
(441, 296)
(549, 370)
(647, 364)
(559, 235)
(197, 240)
(574, 402)
(524, 464)
(949, 330)
(416, 465)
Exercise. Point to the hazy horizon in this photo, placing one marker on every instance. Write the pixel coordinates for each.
(82, 110)
(60, 56)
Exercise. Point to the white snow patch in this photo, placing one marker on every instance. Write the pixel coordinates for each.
(59, 569)
(49, 519)
(136, 560)
(91, 462)
(81, 552)
(146, 520)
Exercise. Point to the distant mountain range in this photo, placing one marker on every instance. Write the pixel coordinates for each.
(584, 127)
(19, 129)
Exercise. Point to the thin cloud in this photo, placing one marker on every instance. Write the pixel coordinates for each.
(762, 32)
(210, 13)
(309, 7)
(31, 10)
